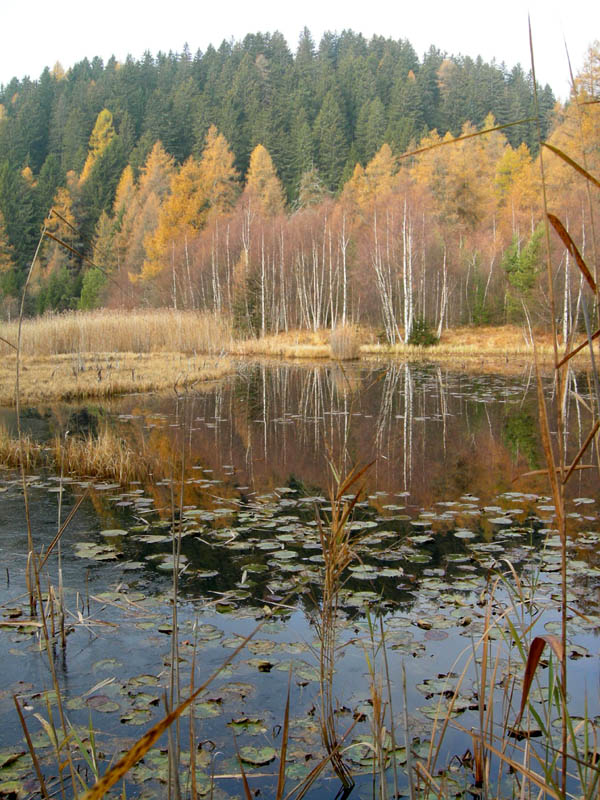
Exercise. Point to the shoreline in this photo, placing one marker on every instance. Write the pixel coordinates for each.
(98, 355)
(102, 376)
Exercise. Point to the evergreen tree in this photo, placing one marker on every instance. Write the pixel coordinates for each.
(7, 264)
(330, 143)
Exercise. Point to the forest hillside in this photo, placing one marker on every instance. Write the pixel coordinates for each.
(337, 183)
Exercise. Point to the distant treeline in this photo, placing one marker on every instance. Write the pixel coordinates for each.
(282, 191)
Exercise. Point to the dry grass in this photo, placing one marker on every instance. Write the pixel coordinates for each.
(344, 343)
(158, 330)
(472, 342)
(168, 331)
(99, 354)
(11, 451)
(106, 456)
(294, 344)
(74, 377)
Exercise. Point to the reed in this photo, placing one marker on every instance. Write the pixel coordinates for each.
(338, 553)
(344, 343)
(106, 331)
(105, 456)
(290, 344)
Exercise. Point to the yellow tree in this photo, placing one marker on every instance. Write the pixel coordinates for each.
(517, 183)
(156, 173)
(100, 138)
(368, 186)
(182, 214)
(125, 193)
(27, 173)
(136, 208)
(6, 250)
(380, 172)
(356, 189)
(262, 183)
(218, 174)
(61, 225)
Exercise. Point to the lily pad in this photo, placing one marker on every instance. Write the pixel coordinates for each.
(257, 756)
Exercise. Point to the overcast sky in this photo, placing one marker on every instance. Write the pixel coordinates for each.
(36, 33)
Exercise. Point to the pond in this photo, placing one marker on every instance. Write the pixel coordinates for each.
(447, 529)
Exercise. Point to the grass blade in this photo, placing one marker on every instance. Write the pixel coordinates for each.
(572, 248)
(579, 347)
(536, 649)
(32, 753)
(284, 742)
(582, 450)
(567, 159)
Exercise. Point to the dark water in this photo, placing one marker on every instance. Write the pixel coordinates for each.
(243, 471)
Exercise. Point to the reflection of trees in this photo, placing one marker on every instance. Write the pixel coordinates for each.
(431, 432)
(520, 432)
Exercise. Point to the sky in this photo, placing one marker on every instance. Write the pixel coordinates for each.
(36, 33)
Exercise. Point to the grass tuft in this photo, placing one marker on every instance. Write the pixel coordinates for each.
(345, 343)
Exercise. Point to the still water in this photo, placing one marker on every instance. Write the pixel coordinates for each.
(244, 471)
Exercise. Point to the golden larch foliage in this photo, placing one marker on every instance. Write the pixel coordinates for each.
(262, 183)
(218, 174)
(156, 173)
(182, 213)
(101, 136)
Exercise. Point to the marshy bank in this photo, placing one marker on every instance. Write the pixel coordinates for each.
(99, 354)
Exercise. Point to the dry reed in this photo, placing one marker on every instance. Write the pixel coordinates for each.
(344, 343)
(137, 331)
(290, 344)
(106, 456)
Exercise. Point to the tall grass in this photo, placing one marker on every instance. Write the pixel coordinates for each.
(105, 331)
(106, 456)
(338, 553)
(345, 343)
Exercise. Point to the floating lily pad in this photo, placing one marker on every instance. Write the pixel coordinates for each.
(250, 725)
(100, 702)
(257, 756)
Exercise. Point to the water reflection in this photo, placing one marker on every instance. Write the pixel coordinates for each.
(242, 468)
(430, 432)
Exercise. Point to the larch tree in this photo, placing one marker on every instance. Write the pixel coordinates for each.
(182, 215)
(380, 172)
(262, 184)
(220, 179)
(102, 135)
(136, 207)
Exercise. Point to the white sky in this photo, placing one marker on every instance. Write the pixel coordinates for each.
(36, 33)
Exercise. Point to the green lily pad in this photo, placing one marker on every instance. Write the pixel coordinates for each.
(100, 702)
(250, 725)
(257, 756)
